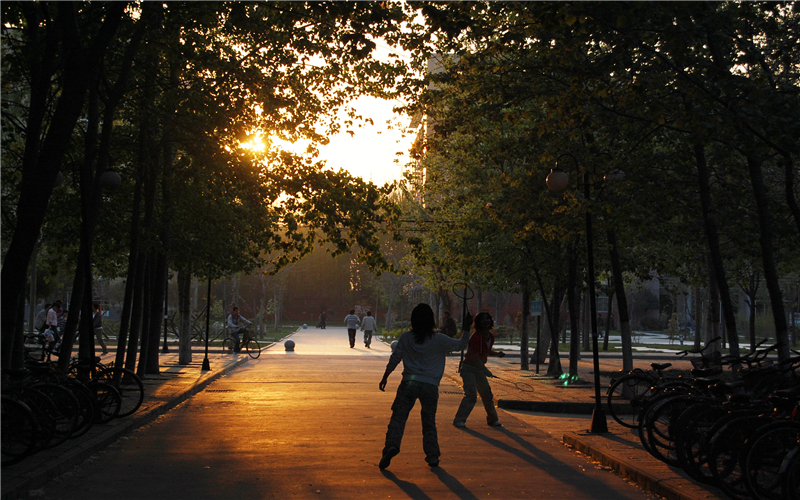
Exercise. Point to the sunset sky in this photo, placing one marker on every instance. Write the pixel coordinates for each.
(371, 152)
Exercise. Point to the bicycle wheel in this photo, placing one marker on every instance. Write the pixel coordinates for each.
(253, 348)
(723, 455)
(644, 416)
(87, 405)
(108, 401)
(67, 410)
(19, 431)
(691, 439)
(42, 409)
(625, 398)
(763, 455)
(129, 386)
(228, 345)
(790, 475)
(661, 427)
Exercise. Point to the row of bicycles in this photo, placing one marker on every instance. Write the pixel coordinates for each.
(737, 429)
(43, 407)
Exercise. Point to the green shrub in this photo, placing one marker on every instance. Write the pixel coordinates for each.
(505, 332)
(651, 324)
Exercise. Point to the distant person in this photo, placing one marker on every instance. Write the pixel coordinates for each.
(62, 324)
(51, 321)
(40, 322)
(351, 320)
(235, 327)
(368, 326)
(474, 373)
(322, 318)
(449, 326)
(97, 324)
(423, 353)
(58, 333)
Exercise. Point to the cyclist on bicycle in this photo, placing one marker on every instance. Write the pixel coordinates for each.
(235, 321)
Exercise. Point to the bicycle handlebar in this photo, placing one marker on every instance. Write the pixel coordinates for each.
(686, 352)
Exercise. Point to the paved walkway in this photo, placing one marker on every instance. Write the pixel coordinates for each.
(618, 450)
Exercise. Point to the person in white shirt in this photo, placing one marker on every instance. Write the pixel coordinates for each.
(423, 354)
(235, 321)
(368, 326)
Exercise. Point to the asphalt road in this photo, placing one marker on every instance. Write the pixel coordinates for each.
(311, 424)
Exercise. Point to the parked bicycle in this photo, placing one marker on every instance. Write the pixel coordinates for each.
(740, 432)
(44, 407)
(628, 394)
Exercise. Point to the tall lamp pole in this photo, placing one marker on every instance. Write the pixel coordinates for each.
(557, 181)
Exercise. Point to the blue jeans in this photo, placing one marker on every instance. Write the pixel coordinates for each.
(407, 394)
(235, 335)
(475, 383)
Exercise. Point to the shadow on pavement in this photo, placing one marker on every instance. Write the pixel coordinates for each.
(540, 458)
(412, 490)
(454, 484)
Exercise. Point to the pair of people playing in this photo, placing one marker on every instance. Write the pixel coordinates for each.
(423, 353)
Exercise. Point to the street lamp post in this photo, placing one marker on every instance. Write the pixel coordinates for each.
(557, 181)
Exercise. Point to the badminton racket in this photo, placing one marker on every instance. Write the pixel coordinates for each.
(522, 386)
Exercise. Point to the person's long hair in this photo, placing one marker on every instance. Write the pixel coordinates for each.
(423, 323)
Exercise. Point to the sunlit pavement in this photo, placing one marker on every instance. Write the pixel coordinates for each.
(311, 423)
(331, 341)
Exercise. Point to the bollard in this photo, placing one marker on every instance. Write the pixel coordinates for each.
(289, 345)
(305, 326)
(394, 344)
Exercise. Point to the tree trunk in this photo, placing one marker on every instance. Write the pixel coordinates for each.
(42, 159)
(791, 201)
(526, 311)
(712, 330)
(136, 311)
(698, 318)
(572, 303)
(156, 312)
(622, 303)
(609, 315)
(146, 337)
(554, 368)
(388, 324)
(586, 323)
(765, 239)
(715, 255)
(185, 315)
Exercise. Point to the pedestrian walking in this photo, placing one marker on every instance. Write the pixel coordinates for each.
(368, 326)
(322, 318)
(351, 320)
(51, 321)
(97, 324)
(423, 353)
(474, 373)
